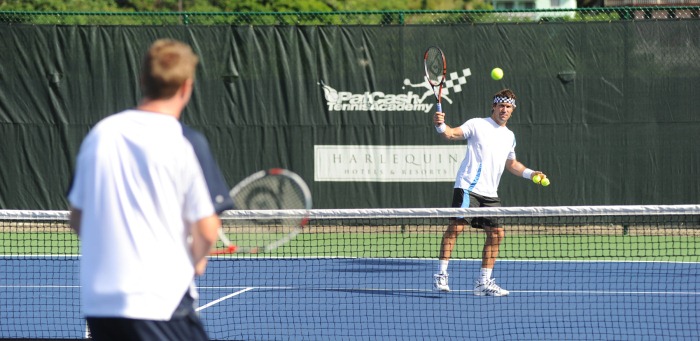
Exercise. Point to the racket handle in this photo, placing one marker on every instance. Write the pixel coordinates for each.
(438, 107)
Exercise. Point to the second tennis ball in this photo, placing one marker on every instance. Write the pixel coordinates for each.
(544, 182)
(497, 73)
(536, 179)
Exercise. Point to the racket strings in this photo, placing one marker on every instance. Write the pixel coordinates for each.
(274, 189)
(272, 193)
(434, 66)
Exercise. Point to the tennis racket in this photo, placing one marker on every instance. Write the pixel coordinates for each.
(273, 189)
(435, 71)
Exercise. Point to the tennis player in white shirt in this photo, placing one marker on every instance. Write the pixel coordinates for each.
(490, 151)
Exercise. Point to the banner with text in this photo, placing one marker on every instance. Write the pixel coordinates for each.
(387, 163)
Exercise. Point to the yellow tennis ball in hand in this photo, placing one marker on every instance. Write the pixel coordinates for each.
(497, 73)
(536, 179)
(544, 182)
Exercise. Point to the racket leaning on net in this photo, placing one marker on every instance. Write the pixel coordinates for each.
(273, 189)
(435, 71)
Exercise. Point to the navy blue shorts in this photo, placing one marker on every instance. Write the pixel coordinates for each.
(184, 325)
(475, 200)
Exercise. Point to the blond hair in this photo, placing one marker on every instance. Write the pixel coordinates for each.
(166, 66)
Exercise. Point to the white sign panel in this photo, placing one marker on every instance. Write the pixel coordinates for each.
(387, 163)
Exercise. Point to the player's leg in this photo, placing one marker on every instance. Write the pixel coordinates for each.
(449, 238)
(485, 285)
(494, 237)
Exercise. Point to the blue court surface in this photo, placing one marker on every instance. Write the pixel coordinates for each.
(388, 299)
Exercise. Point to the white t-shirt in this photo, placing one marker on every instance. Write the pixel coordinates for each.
(488, 147)
(140, 188)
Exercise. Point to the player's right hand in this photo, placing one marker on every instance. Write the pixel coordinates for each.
(439, 118)
(200, 267)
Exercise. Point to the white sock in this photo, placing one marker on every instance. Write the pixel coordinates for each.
(442, 267)
(485, 274)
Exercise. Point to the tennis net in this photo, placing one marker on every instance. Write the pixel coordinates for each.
(575, 273)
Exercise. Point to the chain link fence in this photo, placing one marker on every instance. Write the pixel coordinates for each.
(352, 18)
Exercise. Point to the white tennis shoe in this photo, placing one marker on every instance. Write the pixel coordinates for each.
(489, 288)
(440, 282)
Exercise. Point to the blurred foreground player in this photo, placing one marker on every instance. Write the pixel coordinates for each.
(140, 204)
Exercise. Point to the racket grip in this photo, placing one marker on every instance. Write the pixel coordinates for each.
(438, 107)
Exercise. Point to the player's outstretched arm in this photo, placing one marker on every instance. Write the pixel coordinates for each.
(519, 169)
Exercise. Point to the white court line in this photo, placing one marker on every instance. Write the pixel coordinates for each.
(603, 292)
(573, 292)
(245, 289)
(230, 287)
(20, 286)
(223, 298)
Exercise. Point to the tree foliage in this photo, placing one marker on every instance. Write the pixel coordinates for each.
(235, 5)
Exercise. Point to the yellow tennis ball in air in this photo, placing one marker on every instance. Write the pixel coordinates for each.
(536, 179)
(497, 73)
(544, 182)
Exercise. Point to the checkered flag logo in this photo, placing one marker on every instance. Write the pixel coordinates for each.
(454, 81)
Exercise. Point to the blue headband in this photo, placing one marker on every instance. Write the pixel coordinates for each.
(498, 99)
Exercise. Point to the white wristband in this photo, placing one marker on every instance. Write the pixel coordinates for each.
(527, 173)
(441, 128)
